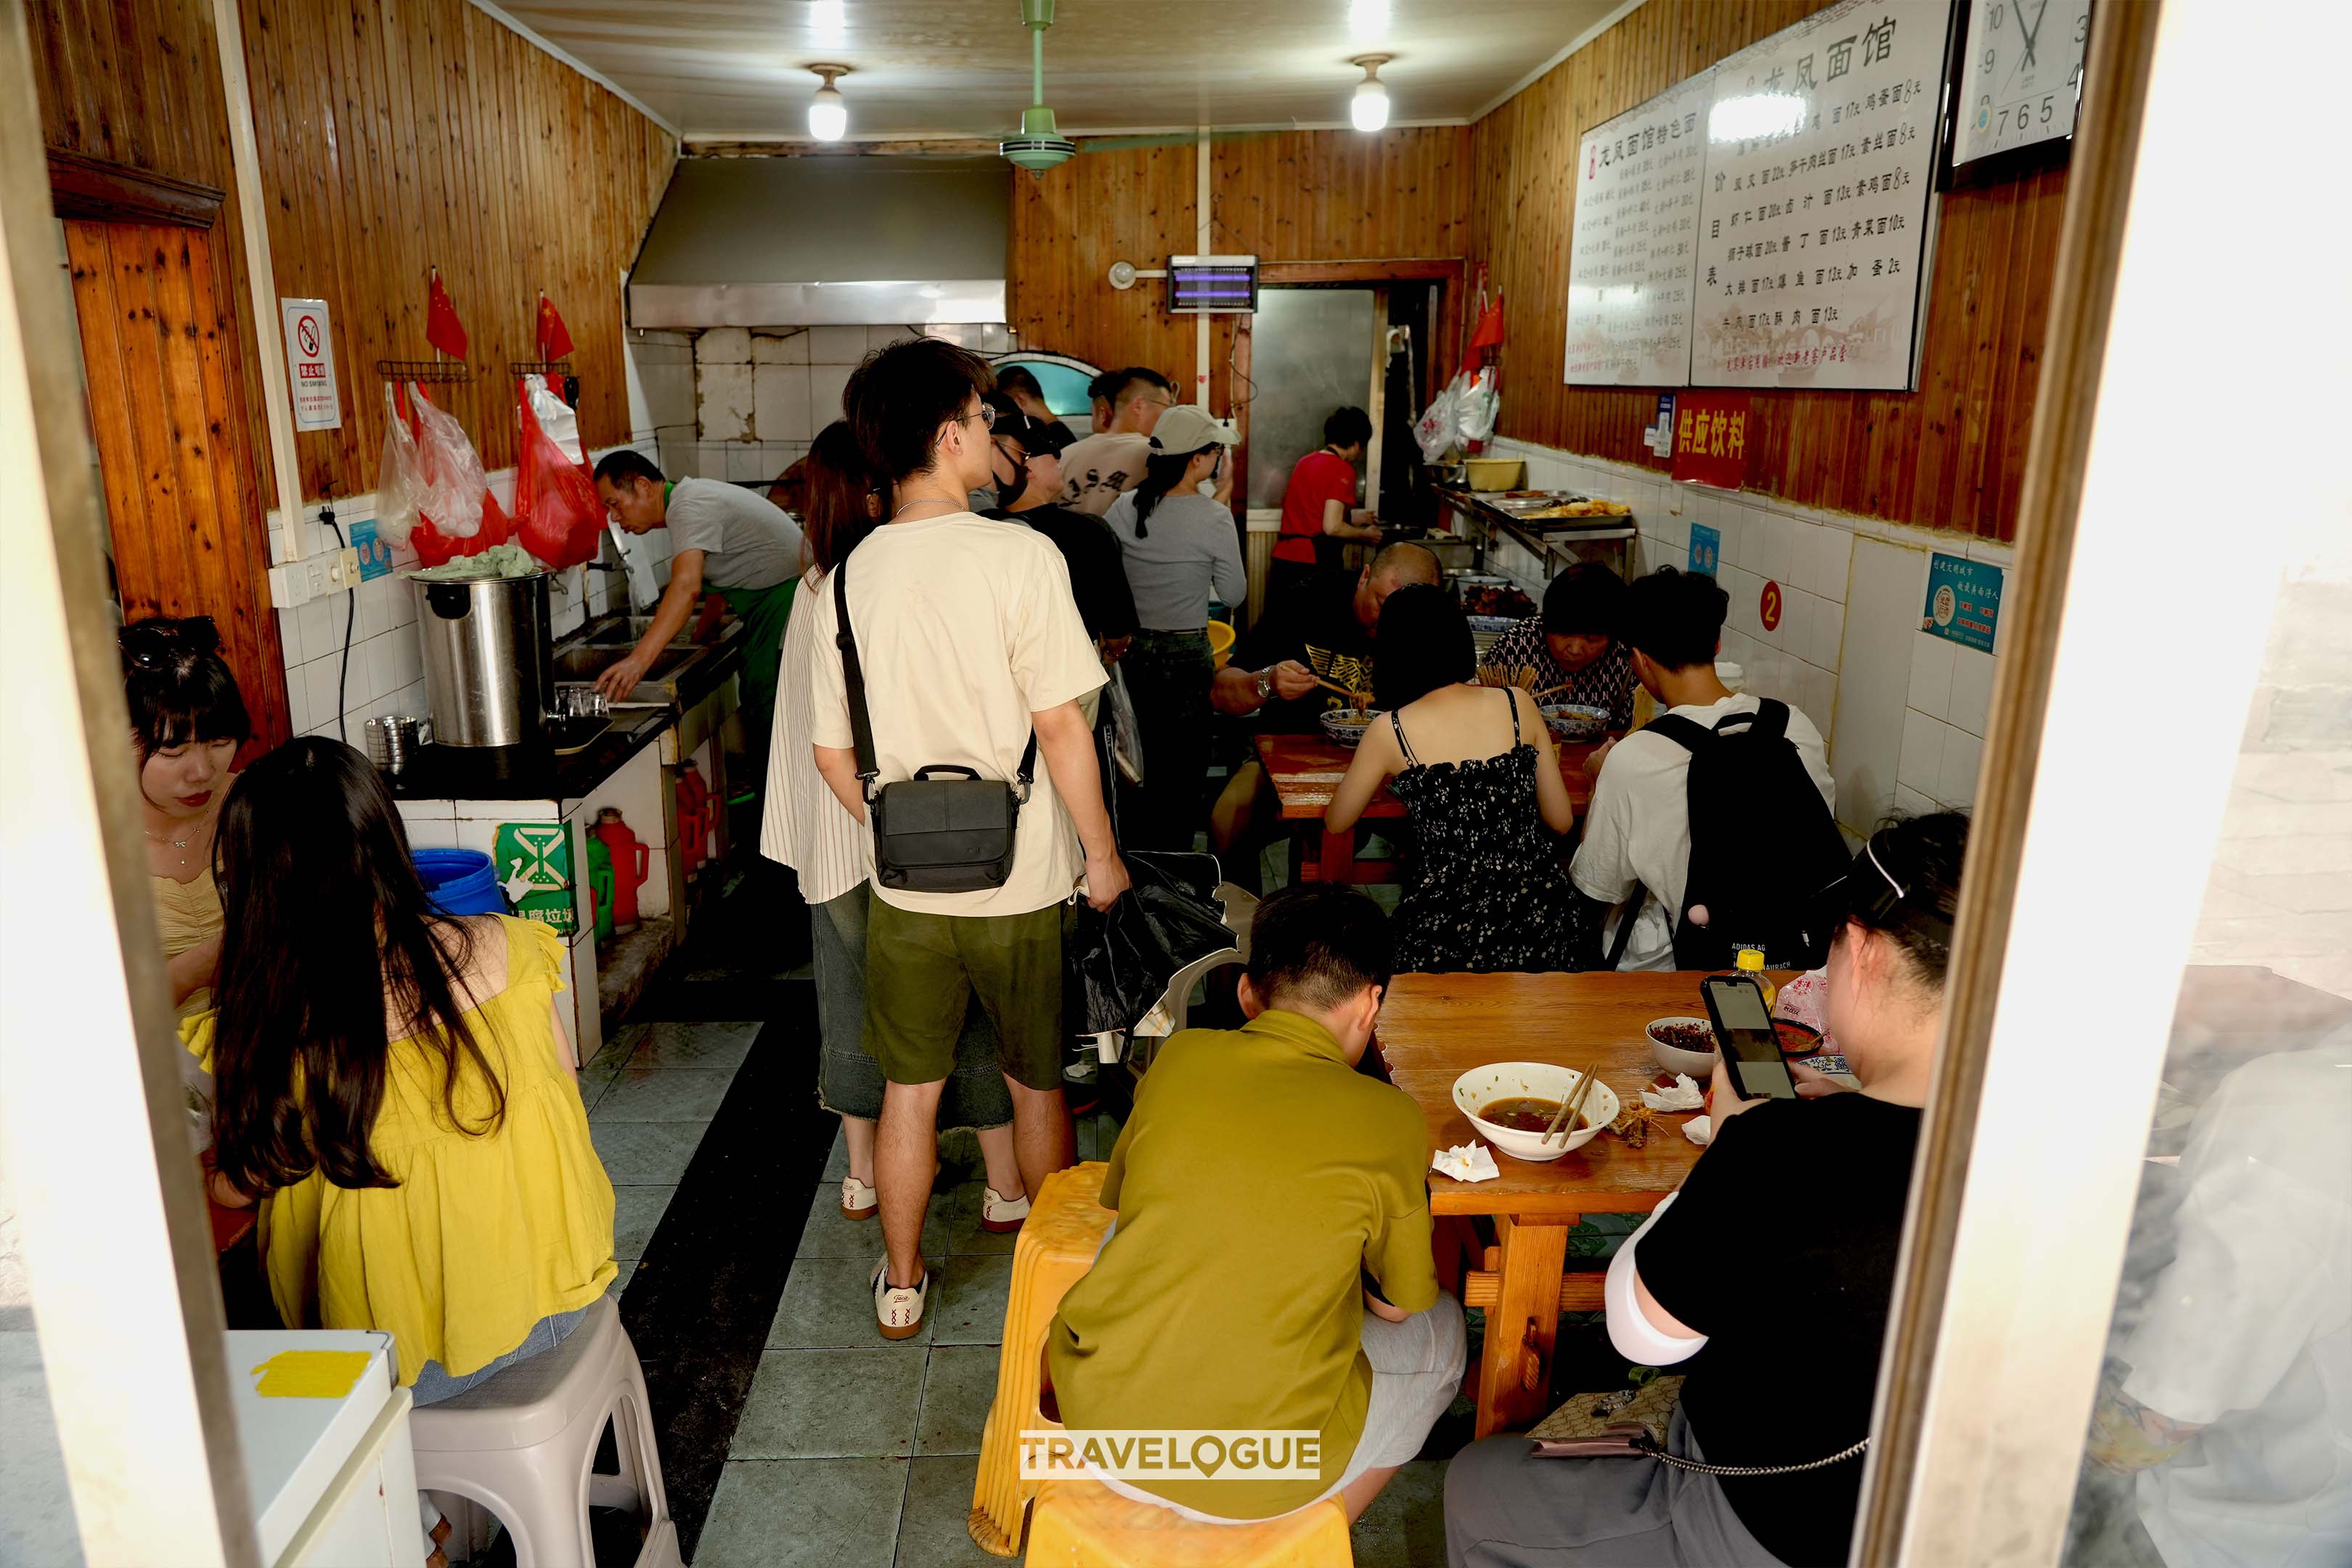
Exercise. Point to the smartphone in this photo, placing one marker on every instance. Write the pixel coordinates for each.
(1744, 1032)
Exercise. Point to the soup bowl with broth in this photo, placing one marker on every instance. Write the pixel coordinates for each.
(1506, 1088)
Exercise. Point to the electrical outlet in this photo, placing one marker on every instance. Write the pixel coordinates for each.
(289, 586)
(343, 570)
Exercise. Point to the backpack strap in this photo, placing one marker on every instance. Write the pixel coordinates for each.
(1624, 938)
(1687, 733)
(853, 676)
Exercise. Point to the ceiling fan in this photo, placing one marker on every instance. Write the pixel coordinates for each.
(1042, 146)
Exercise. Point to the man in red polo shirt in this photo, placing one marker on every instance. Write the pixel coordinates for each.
(1319, 503)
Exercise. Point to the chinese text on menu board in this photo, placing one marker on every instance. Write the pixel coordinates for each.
(1812, 222)
(1632, 256)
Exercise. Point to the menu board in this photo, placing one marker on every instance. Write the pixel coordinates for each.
(1813, 214)
(1633, 251)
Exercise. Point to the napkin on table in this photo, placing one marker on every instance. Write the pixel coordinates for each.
(1466, 1163)
(1700, 1130)
(1684, 1096)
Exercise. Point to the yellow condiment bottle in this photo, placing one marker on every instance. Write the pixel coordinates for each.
(1750, 960)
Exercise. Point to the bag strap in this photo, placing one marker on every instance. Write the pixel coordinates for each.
(853, 676)
(861, 725)
(1687, 733)
(1644, 1444)
(1625, 925)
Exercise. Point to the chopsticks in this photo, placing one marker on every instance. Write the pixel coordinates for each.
(1568, 1111)
(1350, 696)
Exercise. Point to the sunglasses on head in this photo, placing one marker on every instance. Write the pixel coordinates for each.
(156, 644)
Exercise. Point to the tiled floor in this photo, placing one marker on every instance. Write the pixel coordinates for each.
(820, 1441)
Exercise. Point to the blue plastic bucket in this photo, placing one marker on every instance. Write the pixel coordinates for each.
(460, 881)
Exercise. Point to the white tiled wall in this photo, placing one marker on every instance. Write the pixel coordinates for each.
(761, 395)
(386, 671)
(1903, 711)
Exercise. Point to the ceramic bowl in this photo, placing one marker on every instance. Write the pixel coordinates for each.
(1674, 1058)
(1575, 721)
(1505, 1080)
(1347, 725)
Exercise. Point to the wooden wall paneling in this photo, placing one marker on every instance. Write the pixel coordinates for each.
(1948, 456)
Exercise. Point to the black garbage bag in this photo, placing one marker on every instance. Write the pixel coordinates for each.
(1116, 964)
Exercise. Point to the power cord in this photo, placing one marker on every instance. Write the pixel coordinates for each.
(351, 614)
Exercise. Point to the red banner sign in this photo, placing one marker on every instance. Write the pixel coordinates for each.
(1711, 438)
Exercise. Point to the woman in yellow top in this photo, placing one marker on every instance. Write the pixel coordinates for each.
(396, 1087)
(187, 721)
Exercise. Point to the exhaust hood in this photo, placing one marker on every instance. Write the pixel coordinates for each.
(827, 240)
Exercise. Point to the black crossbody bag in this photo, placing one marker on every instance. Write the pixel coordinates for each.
(947, 829)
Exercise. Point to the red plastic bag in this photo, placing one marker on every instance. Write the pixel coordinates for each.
(557, 515)
(435, 548)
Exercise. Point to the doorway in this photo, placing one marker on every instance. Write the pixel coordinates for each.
(165, 382)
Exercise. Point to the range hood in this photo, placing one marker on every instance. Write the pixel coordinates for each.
(825, 240)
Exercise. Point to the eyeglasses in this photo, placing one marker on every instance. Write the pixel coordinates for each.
(159, 644)
(984, 413)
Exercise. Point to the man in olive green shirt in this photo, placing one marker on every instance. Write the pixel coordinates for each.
(1259, 1183)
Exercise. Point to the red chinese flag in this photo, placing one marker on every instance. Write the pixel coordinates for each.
(555, 337)
(1489, 331)
(442, 330)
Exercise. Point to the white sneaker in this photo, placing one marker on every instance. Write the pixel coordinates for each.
(858, 1201)
(1002, 1215)
(898, 1309)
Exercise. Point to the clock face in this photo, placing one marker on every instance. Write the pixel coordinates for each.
(2021, 74)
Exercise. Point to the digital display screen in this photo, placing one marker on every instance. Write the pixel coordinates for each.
(1212, 284)
(1743, 1028)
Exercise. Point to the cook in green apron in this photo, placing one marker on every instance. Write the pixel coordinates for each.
(763, 612)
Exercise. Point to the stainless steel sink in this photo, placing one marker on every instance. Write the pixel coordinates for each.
(577, 662)
(626, 631)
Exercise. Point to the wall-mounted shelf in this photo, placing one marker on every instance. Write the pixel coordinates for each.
(424, 370)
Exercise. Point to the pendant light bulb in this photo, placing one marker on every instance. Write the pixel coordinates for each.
(828, 115)
(1370, 109)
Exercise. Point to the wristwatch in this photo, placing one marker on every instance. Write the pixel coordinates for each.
(1265, 684)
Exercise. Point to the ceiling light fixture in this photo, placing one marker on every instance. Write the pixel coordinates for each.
(829, 20)
(828, 113)
(1368, 20)
(1370, 109)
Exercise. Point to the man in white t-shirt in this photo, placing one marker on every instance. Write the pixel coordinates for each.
(1098, 470)
(968, 641)
(1637, 832)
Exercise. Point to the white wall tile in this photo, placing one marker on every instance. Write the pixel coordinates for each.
(1972, 673)
(723, 345)
(748, 460)
(1931, 676)
(836, 345)
(1797, 622)
(321, 621)
(1731, 523)
(1911, 802)
(786, 345)
(1829, 633)
(722, 398)
(882, 336)
(1922, 763)
(321, 676)
(290, 637)
(1765, 549)
(826, 383)
(779, 402)
(1962, 753)
(1833, 561)
(1873, 678)
(383, 673)
(298, 706)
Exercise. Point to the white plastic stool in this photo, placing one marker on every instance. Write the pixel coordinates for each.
(523, 1445)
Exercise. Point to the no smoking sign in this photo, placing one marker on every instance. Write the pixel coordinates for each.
(310, 365)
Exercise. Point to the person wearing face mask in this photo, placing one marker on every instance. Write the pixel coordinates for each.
(1024, 479)
(187, 720)
(1181, 549)
(1703, 1283)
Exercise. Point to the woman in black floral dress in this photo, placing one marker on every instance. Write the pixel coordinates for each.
(1481, 784)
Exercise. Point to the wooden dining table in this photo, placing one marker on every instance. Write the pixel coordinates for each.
(1435, 1027)
(1306, 769)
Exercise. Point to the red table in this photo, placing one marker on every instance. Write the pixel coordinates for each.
(1306, 769)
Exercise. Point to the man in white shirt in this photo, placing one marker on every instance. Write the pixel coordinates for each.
(1637, 832)
(1098, 470)
(968, 642)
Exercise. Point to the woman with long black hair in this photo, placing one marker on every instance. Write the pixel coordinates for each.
(188, 721)
(1182, 550)
(394, 1087)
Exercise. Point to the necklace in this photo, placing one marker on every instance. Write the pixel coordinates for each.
(179, 844)
(922, 500)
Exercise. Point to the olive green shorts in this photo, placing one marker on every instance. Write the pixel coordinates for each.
(922, 970)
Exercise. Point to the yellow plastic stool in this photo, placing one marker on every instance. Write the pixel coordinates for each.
(1056, 1246)
(1082, 1524)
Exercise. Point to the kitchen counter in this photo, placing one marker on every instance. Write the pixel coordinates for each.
(1553, 548)
(538, 772)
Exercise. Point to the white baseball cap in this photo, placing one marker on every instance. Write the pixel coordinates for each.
(1189, 427)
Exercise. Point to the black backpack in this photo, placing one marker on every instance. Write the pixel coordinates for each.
(1763, 845)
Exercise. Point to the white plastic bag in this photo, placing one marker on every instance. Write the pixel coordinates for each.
(556, 418)
(1478, 405)
(454, 481)
(1126, 733)
(399, 480)
(1439, 426)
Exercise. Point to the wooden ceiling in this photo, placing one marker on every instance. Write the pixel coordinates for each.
(718, 69)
